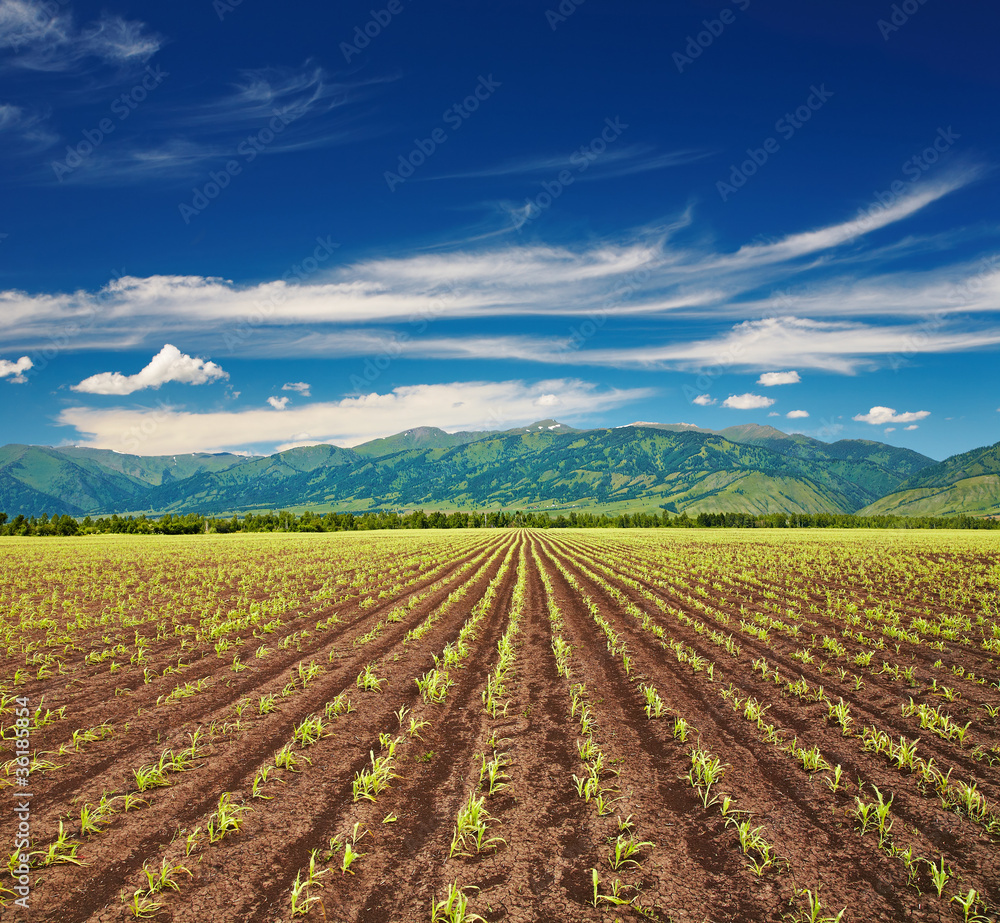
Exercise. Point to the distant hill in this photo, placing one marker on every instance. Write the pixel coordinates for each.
(963, 484)
(678, 467)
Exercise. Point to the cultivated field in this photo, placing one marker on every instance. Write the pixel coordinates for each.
(525, 726)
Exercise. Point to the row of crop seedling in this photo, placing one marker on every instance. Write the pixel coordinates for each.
(697, 662)
(748, 626)
(229, 815)
(935, 720)
(373, 779)
(616, 647)
(494, 695)
(876, 816)
(415, 634)
(870, 815)
(625, 847)
(471, 834)
(94, 818)
(959, 796)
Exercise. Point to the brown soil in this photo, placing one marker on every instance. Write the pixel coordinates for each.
(552, 839)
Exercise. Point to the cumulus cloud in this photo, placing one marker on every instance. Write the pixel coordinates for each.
(747, 401)
(169, 364)
(878, 416)
(14, 370)
(911, 427)
(278, 403)
(301, 386)
(797, 414)
(769, 379)
(704, 400)
(476, 405)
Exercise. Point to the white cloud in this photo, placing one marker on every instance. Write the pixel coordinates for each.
(912, 426)
(278, 403)
(704, 400)
(14, 370)
(169, 364)
(797, 414)
(301, 386)
(878, 416)
(890, 429)
(646, 274)
(477, 405)
(770, 379)
(747, 401)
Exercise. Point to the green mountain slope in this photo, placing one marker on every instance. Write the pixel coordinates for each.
(541, 465)
(963, 484)
(547, 464)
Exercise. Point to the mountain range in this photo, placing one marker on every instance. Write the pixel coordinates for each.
(547, 465)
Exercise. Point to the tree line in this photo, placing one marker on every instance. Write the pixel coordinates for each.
(285, 521)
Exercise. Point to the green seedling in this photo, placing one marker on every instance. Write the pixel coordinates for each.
(228, 818)
(614, 897)
(142, 906)
(625, 848)
(165, 877)
(300, 900)
(814, 908)
(705, 771)
(939, 876)
(416, 726)
(453, 908)
(968, 904)
(367, 679)
(62, 851)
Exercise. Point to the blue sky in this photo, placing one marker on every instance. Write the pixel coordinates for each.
(242, 226)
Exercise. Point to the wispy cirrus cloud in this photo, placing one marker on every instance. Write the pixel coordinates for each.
(38, 36)
(296, 108)
(25, 130)
(685, 297)
(623, 161)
